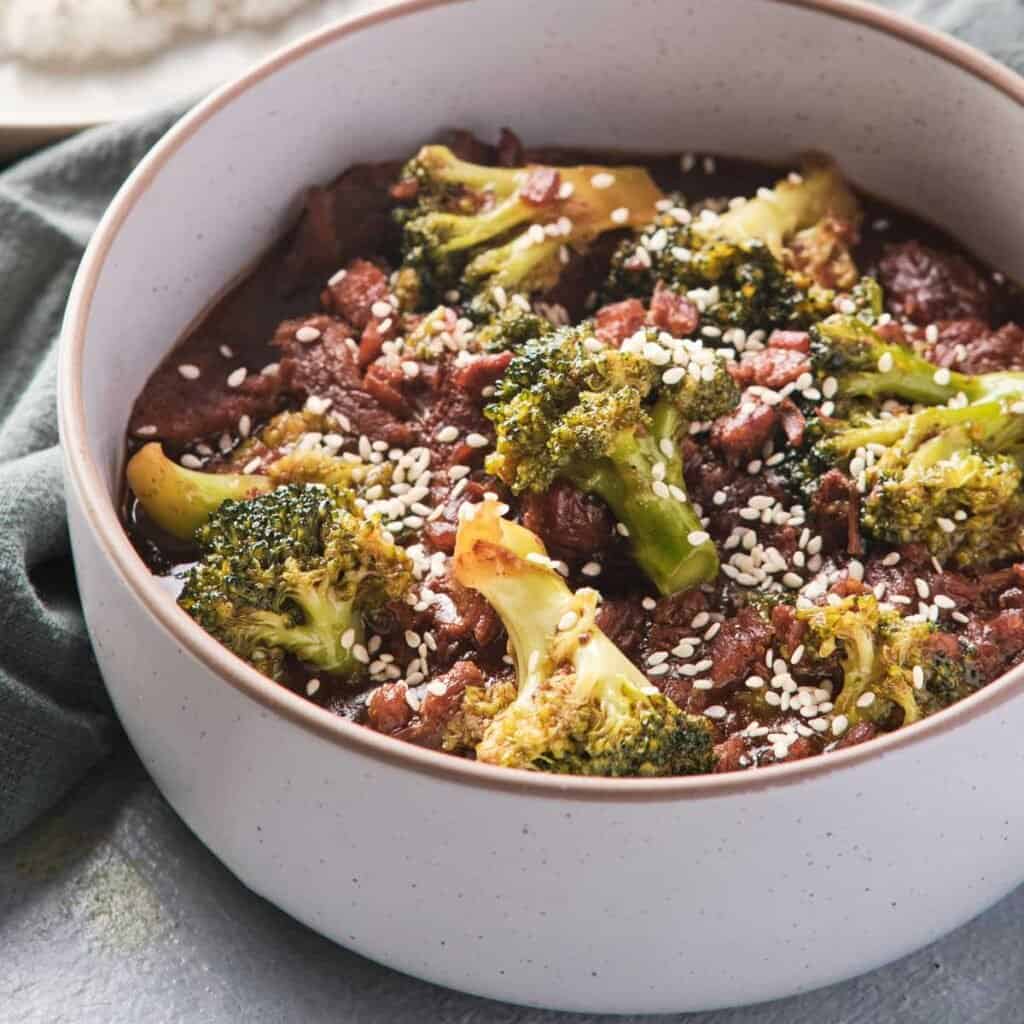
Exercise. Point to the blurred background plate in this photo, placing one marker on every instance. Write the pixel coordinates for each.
(39, 103)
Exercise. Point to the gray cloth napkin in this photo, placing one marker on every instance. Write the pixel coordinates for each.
(55, 718)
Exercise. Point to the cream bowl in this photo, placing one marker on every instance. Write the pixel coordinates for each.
(578, 894)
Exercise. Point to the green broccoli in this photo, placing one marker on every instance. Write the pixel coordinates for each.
(606, 420)
(949, 478)
(181, 500)
(293, 571)
(737, 266)
(865, 366)
(510, 328)
(581, 706)
(474, 229)
(887, 661)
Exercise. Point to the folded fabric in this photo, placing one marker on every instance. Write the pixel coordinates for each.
(55, 718)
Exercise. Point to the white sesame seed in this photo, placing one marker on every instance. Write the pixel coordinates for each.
(944, 601)
(922, 588)
(918, 677)
(660, 488)
(189, 461)
(146, 430)
(855, 569)
(226, 351)
(236, 377)
(719, 497)
(307, 333)
(602, 180)
(447, 434)
(792, 581)
(619, 215)
(648, 604)
(754, 683)
(476, 440)
(568, 620)
(312, 686)
(885, 362)
(622, 529)
(797, 655)
(189, 371)
(673, 375)
(698, 537)
(942, 376)
(381, 309)
(891, 559)
(865, 700)
(658, 658)
(946, 525)
(716, 711)
(591, 569)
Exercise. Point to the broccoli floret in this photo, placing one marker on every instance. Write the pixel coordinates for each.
(949, 478)
(737, 265)
(581, 705)
(293, 571)
(865, 366)
(604, 419)
(510, 328)
(480, 705)
(181, 500)
(472, 229)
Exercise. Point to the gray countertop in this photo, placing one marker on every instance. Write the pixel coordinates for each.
(112, 911)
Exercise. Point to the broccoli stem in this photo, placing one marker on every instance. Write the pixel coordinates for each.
(180, 500)
(660, 526)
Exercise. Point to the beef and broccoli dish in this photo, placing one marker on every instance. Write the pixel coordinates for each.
(600, 465)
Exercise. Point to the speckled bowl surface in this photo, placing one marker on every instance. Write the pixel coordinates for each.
(583, 894)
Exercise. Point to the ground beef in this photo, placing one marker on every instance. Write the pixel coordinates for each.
(573, 525)
(926, 285)
(971, 346)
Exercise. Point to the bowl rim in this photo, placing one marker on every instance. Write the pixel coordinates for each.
(83, 474)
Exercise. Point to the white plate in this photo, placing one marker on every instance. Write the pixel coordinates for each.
(40, 103)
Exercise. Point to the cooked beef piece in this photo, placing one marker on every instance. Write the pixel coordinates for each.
(624, 622)
(971, 346)
(860, 733)
(510, 152)
(835, 513)
(480, 372)
(792, 341)
(327, 368)
(349, 218)
(771, 367)
(385, 380)
(792, 421)
(459, 616)
(998, 642)
(574, 526)
(387, 709)
(673, 312)
(728, 754)
(737, 648)
(926, 285)
(436, 708)
(190, 408)
(439, 533)
(353, 295)
(614, 323)
(741, 434)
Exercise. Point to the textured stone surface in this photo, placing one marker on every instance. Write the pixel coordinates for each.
(111, 911)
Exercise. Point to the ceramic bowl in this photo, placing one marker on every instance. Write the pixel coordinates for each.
(580, 894)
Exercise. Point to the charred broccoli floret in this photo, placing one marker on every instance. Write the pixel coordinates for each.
(865, 366)
(474, 229)
(181, 500)
(581, 706)
(606, 420)
(738, 266)
(293, 571)
(949, 478)
(887, 660)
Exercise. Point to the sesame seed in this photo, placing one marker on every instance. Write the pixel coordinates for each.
(754, 683)
(447, 434)
(666, 447)
(648, 604)
(189, 371)
(797, 655)
(885, 362)
(792, 580)
(380, 309)
(891, 559)
(855, 569)
(620, 215)
(361, 654)
(943, 601)
(476, 440)
(602, 180)
(348, 638)
(942, 376)
(673, 375)
(307, 334)
(566, 189)
(918, 676)
(226, 351)
(719, 497)
(922, 588)
(622, 529)
(716, 711)
(703, 684)
(591, 569)
(712, 631)
(568, 620)
(270, 370)
(660, 488)
(236, 377)
(189, 461)
(146, 430)
(436, 688)
(946, 525)
(865, 700)
(312, 686)
(698, 537)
